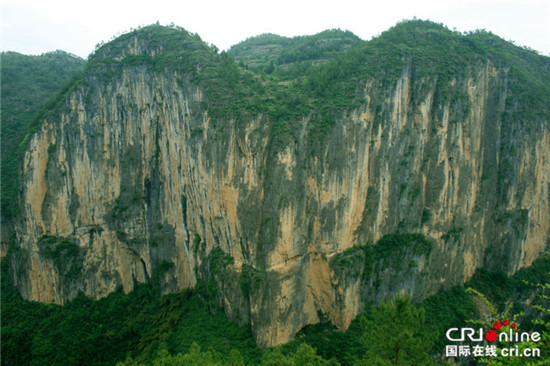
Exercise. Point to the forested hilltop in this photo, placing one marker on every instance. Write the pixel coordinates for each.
(274, 203)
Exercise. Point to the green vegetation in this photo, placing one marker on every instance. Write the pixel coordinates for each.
(251, 279)
(448, 309)
(137, 325)
(304, 356)
(218, 260)
(394, 334)
(499, 288)
(193, 357)
(288, 58)
(319, 76)
(453, 234)
(148, 328)
(538, 320)
(213, 274)
(66, 256)
(426, 216)
(390, 250)
(331, 344)
(28, 82)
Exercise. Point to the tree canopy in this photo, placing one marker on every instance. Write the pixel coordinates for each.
(393, 334)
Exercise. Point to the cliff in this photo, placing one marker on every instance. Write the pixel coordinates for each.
(27, 84)
(398, 166)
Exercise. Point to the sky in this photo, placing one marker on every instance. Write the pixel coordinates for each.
(76, 26)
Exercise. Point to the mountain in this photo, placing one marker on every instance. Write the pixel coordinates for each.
(288, 56)
(397, 165)
(27, 84)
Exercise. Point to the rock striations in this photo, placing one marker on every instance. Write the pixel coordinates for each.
(162, 165)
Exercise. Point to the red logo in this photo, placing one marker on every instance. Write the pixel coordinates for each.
(491, 335)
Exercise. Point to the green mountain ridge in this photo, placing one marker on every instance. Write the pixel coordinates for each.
(266, 51)
(432, 49)
(330, 87)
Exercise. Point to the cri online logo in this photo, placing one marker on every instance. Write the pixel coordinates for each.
(513, 334)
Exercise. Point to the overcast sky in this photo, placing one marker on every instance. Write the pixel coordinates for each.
(37, 26)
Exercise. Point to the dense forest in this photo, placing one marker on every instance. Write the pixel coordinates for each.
(143, 328)
(284, 78)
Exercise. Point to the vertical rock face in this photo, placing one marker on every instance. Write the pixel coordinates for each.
(132, 180)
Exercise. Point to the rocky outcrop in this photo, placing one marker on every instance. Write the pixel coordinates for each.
(132, 180)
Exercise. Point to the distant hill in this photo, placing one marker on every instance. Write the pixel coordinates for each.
(284, 56)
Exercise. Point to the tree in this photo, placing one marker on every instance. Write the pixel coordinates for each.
(393, 335)
(305, 355)
(276, 358)
(542, 310)
(193, 358)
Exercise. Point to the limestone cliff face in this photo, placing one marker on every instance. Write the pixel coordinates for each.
(131, 181)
